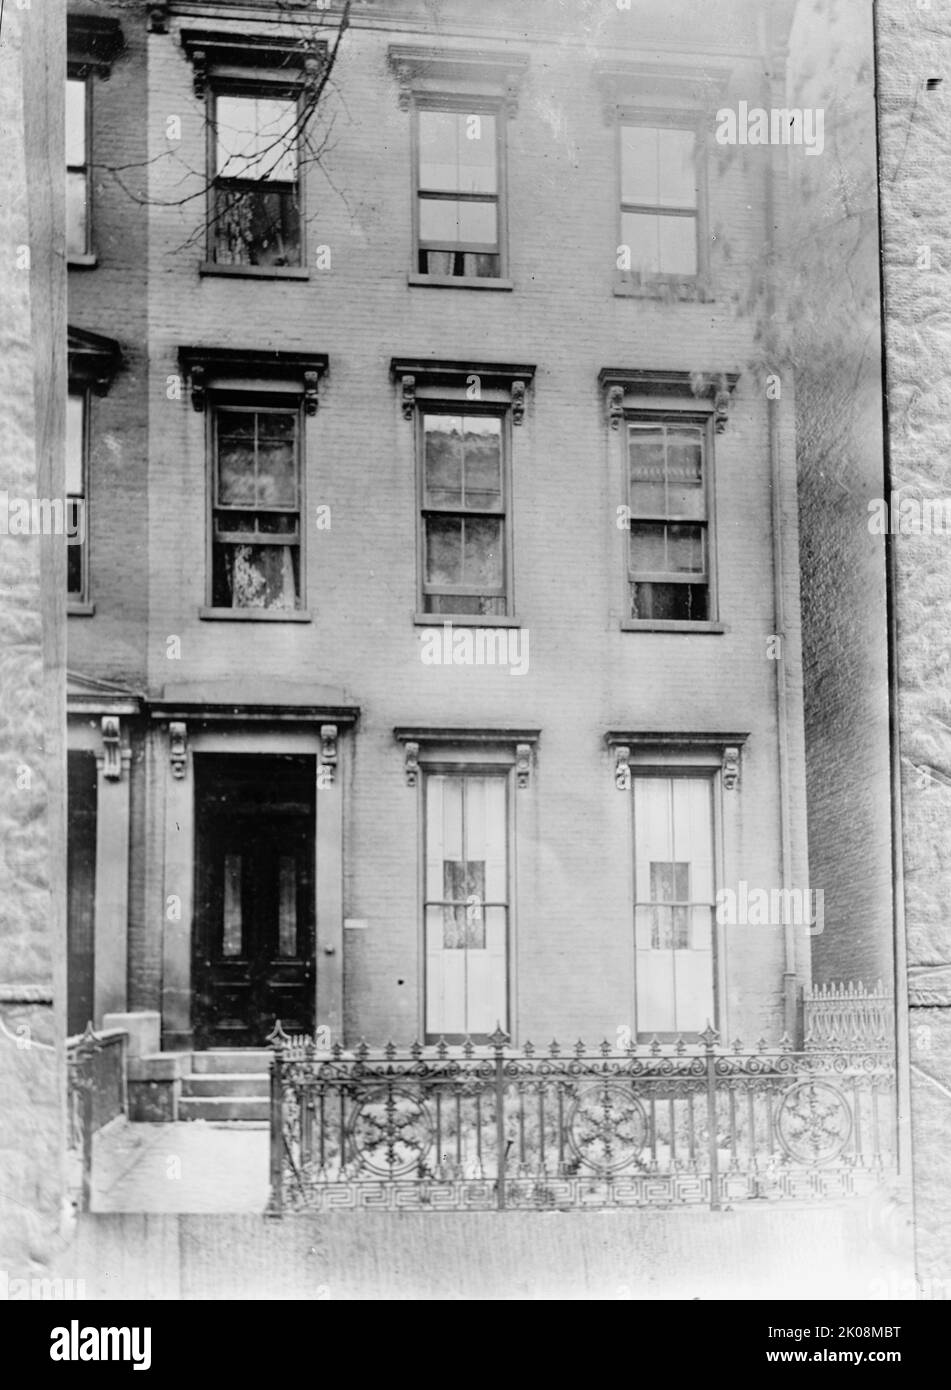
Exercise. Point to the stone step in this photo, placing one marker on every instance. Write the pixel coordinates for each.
(227, 1085)
(223, 1108)
(221, 1059)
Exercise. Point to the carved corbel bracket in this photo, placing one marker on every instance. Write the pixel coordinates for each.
(622, 768)
(311, 398)
(722, 400)
(200, 75)
(518, 402)
(404, 76)
(409, 397)
(523, 764)
(177, 749)
(615, 405)
(198, 382)
(158, 17)
(111, 749)
(412, 763)
(731, 768)
(328, 750)
(511, 97)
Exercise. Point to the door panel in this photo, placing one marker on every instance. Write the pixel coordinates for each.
(254, 920)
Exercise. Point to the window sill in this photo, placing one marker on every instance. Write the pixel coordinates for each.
(669, 288)
(256, 272)
(86, 261)
(668, 625)
(460, 282)
(255, 615)
(75, 608)
(464, 620)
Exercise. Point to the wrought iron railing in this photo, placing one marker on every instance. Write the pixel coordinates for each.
(96, 1092)
(475, 1128)
(848, 1015)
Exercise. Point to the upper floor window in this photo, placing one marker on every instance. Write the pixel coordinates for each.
(458, 192)
(76, 493)
(464, 514)
(659, 201)
(77, 166)
(256, 507)
(256, 206)
(668, 569)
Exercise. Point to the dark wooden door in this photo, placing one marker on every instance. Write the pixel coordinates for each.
(254, 917)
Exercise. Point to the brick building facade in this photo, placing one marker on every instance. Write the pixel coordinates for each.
(435, 652)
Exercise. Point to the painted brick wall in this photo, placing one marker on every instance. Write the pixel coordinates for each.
(573, 934)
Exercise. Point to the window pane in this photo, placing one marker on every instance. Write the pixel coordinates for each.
(646, 457)
(454, 604)
(685, 472)
(75, 121)
(231, 926)
(648, 551)
(685, 549)
(277, 473)
(457, 152)
(678, 245)
(256, 138)
(677, 169)
(483, 461)
(256, 226)
(448, 221)
(442, 447)
(443, 550)
(680, 603)
(236, 486)
(640, 232)
(255, 576)
(75, 214)
(482, 553)
(75, 410)
(287, 906)
(639, 165)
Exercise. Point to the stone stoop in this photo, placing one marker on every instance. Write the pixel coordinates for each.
(227, 1084)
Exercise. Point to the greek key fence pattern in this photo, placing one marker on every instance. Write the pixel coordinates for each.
(486, 1128)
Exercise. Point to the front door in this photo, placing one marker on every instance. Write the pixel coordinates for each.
(254, 927)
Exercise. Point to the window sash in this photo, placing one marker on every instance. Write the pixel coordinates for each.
(646, 207)
(669, 518)
(423, 192)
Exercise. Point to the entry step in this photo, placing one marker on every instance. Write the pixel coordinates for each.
(223, 1108)
(225, 1059)
(227, 1085)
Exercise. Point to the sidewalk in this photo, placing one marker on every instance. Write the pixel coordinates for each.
(192, 1166)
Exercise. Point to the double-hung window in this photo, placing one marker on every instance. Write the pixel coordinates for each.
(77, 166)
(668, 566)
(458, 192)
(256, 507)
(463, 513)
(674, 903)
(256, 205)
(659, 201)
(76, 488)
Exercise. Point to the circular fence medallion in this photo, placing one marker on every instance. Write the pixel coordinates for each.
(390, 1132)
(813, 1122)
(606, 1127)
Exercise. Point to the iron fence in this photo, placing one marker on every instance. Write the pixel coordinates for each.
(96, 1092)
(481, 1128)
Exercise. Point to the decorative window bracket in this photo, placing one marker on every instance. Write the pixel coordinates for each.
(93, 360)
(177, 749)
(421, 69)
(505, 748)
(93, 43)
(653, 749)
(500, 383)
(111, 748)
(328, 751)
(297, 373)
(626, 388)
(268, 58)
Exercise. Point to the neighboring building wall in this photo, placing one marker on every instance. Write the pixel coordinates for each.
(835, 306)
